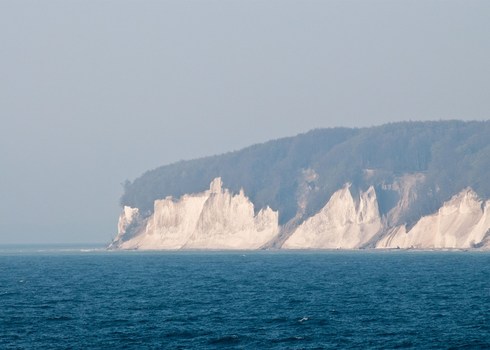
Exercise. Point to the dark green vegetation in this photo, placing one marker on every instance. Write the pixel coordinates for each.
(451, 155)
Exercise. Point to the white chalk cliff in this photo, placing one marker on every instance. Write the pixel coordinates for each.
(214, 219)
(128, 218)
(341, 224)
(218, 219)
(462, 222)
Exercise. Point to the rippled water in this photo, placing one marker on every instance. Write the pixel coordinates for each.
(279, 300)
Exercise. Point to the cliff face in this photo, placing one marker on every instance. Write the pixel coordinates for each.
(342, 223)
(462, 222)
(406, 191)
(214, 219)
(217, 219)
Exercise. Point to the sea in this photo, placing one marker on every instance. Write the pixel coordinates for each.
(91, 298)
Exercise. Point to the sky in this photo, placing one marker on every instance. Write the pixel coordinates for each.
(96, 92)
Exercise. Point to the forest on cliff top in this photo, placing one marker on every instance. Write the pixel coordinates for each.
(452, 155)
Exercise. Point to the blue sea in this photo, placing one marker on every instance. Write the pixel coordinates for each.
(73, 298)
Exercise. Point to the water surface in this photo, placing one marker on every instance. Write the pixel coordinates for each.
(90, 298)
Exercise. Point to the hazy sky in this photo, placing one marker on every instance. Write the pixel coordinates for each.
(96, 92)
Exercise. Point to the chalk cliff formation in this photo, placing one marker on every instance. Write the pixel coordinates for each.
(342, 223)
(217, 219)
(410, 185)
(214, 219)
(462, 222)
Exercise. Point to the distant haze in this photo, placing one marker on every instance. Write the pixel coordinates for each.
(96, 92)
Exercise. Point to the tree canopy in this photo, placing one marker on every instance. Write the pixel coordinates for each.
(451, 154)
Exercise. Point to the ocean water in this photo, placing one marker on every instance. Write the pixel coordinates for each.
(72, 298)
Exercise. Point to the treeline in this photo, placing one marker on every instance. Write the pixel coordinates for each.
(451, 154)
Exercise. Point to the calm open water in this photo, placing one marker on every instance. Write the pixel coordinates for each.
(254, 300)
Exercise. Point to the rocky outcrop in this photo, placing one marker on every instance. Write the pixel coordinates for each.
(218, 219)
(462, 222)
(214, 219)
(342, 224)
